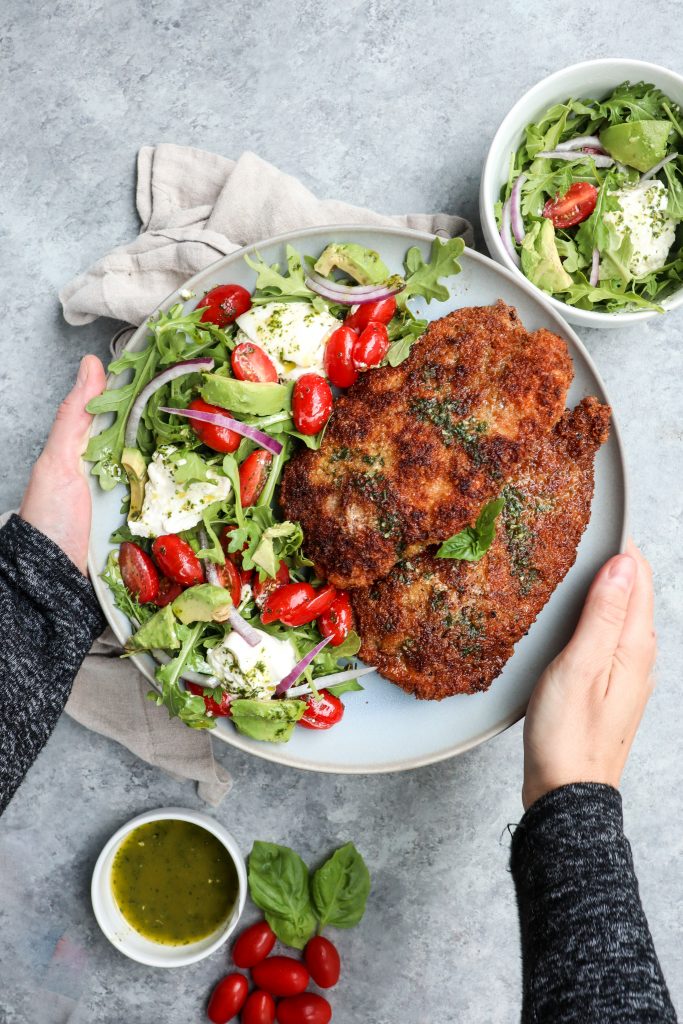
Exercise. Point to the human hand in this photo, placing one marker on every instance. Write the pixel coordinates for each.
(587, 705)
(57, 499)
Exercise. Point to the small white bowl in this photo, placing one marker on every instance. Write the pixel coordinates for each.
(593, 79)
(115, 926)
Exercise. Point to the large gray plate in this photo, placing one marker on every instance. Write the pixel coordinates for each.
(383, 728)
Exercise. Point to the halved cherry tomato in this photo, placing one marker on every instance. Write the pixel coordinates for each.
(168, 591)
(263, 588)
(258, 1009)
(323, 713)
(253, 476)
(220, 439)
(339, 365)
(177, 560)
(575, 205)
(221, 710)
(281, 976)
(224, 304)
(322, 959)
(250, 362)
(230, 578)
(324, 596)
(337, 621)
(379, 312)
(138, 572)
(253, 945)
(287, 603)
(311, 403)
(308, 1008)
(372, 346)
(227, 999)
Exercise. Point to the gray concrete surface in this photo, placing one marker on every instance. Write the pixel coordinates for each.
(390, 104)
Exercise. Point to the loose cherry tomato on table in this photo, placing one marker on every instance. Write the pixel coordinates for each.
(281, 976)
(229, 577)
(322, 959)
(227, 999)
(337, 621)
(177, 560)
(575, 205)
(253, 945)
(263, 588)
(323, 713)
(339, 365)
(138, 572)
(371, 347)
(307, 1008)
(168, 591)
(379, 312)
(220, 439)
(224, 304)
(311, 403)
(287, 603)
(212, 706)
(258, 1009)
(253, 476)
(250, 362)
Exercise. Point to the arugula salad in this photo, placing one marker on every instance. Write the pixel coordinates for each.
(592, 208)
(203, 421)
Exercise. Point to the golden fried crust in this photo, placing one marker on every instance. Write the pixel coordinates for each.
(412, 452)
(440, 626)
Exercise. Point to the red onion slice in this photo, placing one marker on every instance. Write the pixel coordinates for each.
(580, 141)
(250, 635)
(657, 168)
(595, 268)
(300, 667)
(506, 237)
(322, 682)
(351, 295)
(598, 159)
(516, 219)
(138, 407)
(220, 420)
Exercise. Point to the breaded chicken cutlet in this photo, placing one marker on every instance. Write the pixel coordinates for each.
(438, 626)
(412, 452)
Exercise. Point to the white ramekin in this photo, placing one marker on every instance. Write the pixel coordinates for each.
(590, 79)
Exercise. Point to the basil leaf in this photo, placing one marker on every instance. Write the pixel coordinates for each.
(278, 884)
(473, 542)
(340, 888)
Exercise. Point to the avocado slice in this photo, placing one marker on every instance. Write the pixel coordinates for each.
(640, 144)
(135, 466)
(203, 603)
(271, 721)
(157, 632)
(363, 265)
(246, 396)
(541, 261)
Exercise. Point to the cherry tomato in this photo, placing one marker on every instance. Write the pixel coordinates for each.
(337, 621)
(263, 588)
(324, 596)
(575, 205)
(250, 362)
(230, 578)
(379, 312)
(286, 604)
(322, 714)
(253, 476)
(168, 591)
(322, 959)
(220, 439)
(227, 999)
(224, 304)
(372, 346)
(339, 365)
(221, 710)
(177, 560)
(253, 945)
(311, 403)
(308, 1008)
(281, 976)
(259, 1009)
(138, 572)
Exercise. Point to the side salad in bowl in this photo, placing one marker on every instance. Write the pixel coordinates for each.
(203, 420)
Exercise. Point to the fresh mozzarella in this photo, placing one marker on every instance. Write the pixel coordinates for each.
(293, 334)
(251, 671)
(169, 507)
(644, 219)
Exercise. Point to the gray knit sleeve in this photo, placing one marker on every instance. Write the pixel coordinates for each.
(50, 617)
(587, 952)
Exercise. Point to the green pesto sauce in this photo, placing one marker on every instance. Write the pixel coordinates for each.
(174, 882)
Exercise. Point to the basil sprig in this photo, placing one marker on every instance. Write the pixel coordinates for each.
(473, 542)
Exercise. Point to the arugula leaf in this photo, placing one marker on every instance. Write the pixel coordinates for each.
(277, 542)
(350, 686)
(179, 702)
(639, 102)
(340, 888)
(279, 885)
(123, 599)
(472, 543)
(326, 661)
(674, 180)
(270, 283)
(423, 278)
(404, 330)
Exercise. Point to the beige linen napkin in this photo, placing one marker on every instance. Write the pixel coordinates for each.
(195, 207)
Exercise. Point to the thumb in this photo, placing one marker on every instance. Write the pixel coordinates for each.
(603, 617)
(69, 434)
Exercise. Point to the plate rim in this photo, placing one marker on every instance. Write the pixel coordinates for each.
(277, 754)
